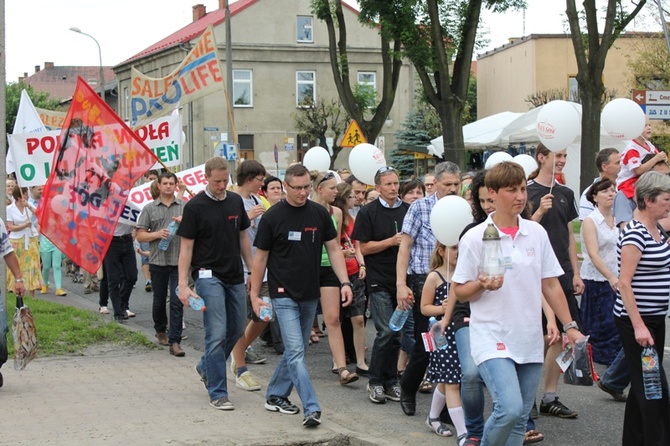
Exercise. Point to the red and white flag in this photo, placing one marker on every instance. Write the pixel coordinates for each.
(97, 163)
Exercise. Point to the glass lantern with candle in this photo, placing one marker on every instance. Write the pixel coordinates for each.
(492, 264)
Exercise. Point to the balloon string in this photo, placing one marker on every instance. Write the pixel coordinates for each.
(553, 174)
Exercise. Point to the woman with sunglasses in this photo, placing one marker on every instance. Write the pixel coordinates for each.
(324, 191)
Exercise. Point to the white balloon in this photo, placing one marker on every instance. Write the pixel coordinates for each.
(557, 125)
(495, 158)
(623, 119)
(364, 162)
(527, 162)
(450, 215)
(317, 158)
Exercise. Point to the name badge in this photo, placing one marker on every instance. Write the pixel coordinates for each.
(294, 236)
(205, 273)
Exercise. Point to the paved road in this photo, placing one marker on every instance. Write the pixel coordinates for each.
(599, 422)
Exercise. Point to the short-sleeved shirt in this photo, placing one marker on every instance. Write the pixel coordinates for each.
(376, 222)
(507, 323)
(556, 220)
(651, 280)
(5, 245)
(631, 159)
(215, 226)
(154, 217)
(585, 206)
(293, 237)
(417, 226)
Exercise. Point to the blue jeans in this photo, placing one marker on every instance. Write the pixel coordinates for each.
(164, 281)
(383, 367)
(295, 321)
(512, 387)
(472, 390)
(224, 322)
(617, 376)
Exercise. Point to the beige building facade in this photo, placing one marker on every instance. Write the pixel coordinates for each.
(279, 57)
(506, 76)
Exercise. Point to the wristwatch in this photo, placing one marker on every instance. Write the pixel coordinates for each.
(570, 325)
(349, 284)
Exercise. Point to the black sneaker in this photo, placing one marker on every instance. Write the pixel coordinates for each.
(312, 420)
(557, 409)
(2, 381)
(203, 377)
(376, 393)
(393, 393)
(618, 396)
(282, 405)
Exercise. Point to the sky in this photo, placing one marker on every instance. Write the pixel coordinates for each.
(37, 31)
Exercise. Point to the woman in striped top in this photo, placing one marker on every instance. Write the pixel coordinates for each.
(643, 255)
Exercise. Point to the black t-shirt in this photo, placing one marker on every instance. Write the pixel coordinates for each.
(294, 237)
(556, 220)
(375, 223)
(215, 228)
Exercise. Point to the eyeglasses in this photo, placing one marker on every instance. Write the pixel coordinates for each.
(385, 169)
(300, 188)
(259, 178)
(326, 177)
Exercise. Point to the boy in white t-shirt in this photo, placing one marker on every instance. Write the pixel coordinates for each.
(506, 320)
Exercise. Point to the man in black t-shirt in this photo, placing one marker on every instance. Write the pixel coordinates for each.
(377, 228)
(289, 242)
(213, 237)
(554, 207)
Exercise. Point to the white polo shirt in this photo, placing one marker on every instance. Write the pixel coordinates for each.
(507, 323)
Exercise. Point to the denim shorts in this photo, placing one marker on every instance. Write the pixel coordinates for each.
(358, 304)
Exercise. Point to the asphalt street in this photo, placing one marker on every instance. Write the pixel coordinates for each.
(599, 421)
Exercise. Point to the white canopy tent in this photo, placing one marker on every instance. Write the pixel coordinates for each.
(521, 129)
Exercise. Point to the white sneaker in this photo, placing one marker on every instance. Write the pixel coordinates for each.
(130, 313)
(104, 310)
(246, 382)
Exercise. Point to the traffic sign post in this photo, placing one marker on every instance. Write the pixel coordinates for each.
(227, 151)
(353, 136)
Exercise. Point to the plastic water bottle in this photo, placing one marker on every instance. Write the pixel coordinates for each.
(194, 301)
(651, 374)
(164, 244)
(398, 319)
(439, 339)
(266, 312)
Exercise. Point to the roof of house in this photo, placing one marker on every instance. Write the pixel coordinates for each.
(60, 82)
(194, 29)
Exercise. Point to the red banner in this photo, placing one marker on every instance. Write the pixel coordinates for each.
(97, 163)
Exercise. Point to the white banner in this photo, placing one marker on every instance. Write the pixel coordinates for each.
(139, 196)
(32, 153)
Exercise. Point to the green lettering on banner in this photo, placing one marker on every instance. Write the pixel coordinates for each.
(27, 172)
(173, 151)
(168, 153)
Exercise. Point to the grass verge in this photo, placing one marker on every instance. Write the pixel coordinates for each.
(65, 330)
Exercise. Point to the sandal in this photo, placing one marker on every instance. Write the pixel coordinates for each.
(347, 378)
(426, 387)
(533, 436)
(441, 429)
(313, 338)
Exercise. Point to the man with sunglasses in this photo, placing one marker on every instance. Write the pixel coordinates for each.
(377, 228)
(412, 267)
(292, 232)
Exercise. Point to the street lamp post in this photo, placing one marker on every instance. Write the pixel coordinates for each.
(102, 73)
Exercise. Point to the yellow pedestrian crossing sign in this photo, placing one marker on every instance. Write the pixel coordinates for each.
(353, 136)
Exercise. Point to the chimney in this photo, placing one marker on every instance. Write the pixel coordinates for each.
(48, 65)
(37, 68)
(199, 12)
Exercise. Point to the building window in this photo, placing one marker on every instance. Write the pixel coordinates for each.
(305, 88)
(246, 142)
(305, 29)
(126, 102)
(573, 89)
(368, 78)
(243, 88)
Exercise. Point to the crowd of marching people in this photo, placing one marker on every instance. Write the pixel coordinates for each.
(326, 244)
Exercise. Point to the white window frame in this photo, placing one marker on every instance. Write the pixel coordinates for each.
(300, 82)
(373, 83)
(249, 82)
(307, 25)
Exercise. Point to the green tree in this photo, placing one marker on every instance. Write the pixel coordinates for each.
(591, 45)
(40, 99)
(322, 118)
(420, 126)
(370, 120)
(439, 37)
